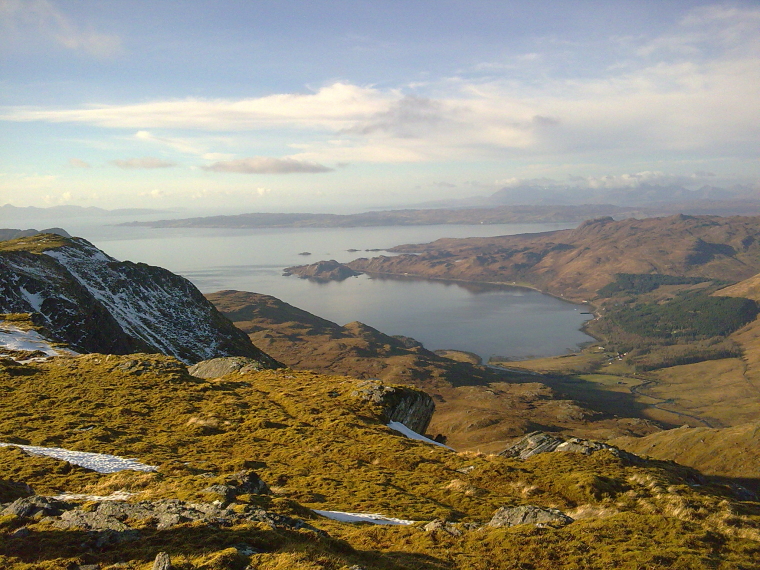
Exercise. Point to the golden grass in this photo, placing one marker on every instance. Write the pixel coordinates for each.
(321, 447)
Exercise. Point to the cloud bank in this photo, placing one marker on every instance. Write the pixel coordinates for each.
(21, 20)
(143, 163)
(267, 165)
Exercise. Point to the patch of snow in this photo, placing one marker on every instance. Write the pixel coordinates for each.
(34, 299)
(399, 427)
(115, 496)
(373, 518)
(100, 462)
(13, 338)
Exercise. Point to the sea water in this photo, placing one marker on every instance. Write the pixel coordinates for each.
(486, 320)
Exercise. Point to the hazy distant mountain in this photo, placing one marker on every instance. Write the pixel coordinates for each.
(9, 210)
(667, 198)
(11, 233)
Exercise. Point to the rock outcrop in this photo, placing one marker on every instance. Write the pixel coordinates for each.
(218, 367)
(540, 442)
(528, 514)
(117, 517)
(95, 303)
(413, 408)
(242, 483)
(322, 271)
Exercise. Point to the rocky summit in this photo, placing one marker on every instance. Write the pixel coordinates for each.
(94, 303)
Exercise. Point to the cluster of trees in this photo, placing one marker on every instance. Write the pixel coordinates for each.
(655, 330)
(640, 283)
(693, 315)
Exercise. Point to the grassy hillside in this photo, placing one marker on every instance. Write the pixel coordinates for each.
(477, 408)
(319, 445)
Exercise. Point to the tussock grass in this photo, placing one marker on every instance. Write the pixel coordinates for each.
(319, 446)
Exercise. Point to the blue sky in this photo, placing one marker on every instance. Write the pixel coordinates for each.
(243, 105)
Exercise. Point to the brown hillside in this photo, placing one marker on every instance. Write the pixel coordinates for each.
(477, 407)
(728, 452)
(749, 289)
(576, 263)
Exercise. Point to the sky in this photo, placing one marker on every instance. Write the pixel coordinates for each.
(310, 105)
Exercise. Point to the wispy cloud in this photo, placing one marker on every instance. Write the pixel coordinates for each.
(21, 20)
(78, 163)
(180, 144)
(692, 89)
(267, 165)
(334, 107)
(147, 162)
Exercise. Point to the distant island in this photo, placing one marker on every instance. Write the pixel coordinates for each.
(494, 214)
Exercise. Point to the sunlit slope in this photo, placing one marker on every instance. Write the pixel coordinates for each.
(319, 443)
(477, 407)
(577, 263)
(729, 452)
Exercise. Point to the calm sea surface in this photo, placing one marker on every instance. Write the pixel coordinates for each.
(489, 321)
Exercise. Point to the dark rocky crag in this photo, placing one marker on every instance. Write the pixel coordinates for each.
(95, 303)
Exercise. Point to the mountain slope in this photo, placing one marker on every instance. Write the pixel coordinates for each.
(98, 304)
(477, 407)
(318, 443)
(577, 263)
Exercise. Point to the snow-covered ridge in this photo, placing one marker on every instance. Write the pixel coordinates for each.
(98, 304)
(100, 462)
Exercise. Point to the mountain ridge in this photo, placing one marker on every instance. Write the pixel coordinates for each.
(98, 304)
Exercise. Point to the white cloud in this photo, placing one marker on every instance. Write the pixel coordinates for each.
(147, 162)
(267, 165)
(179, 144)
(39, 20)
(334, 107)
(692, 90)
(78, 163)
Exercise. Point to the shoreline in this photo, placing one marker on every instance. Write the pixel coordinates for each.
(593, 309)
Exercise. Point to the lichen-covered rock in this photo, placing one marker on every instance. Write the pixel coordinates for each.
(36, 506)
(540, 442)
(411, 407)
(113, 516)
(528, 514)
(218, 367)
(162, 562)
(442, 526)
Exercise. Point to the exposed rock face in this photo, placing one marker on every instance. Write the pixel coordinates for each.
(442, 526)
(540, 442)
(218, 367)
(98, 304)
(528, 514)
(242, 483)
(410, 407)
(35, 507)
(116, 517)
(162, 562)
(322, 271)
